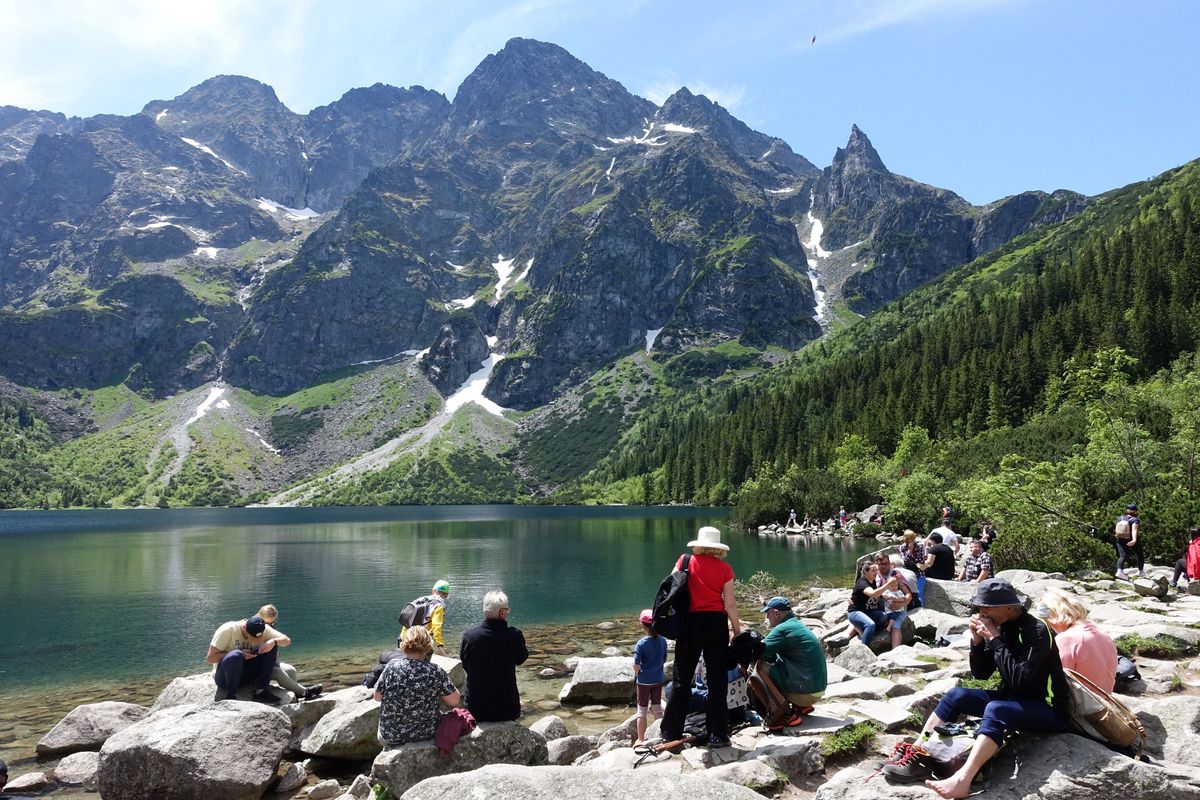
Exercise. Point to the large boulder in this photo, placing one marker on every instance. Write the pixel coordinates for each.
(348, 731)
(186, 691)
(1062, 767)
(1172, 727)
(88, 726)
(882, 640)
(402, 767)
(502, 782)
(752, 774)
(452, 667)
(601, 680)
(856, 658)
(949, 597)
(228, 750)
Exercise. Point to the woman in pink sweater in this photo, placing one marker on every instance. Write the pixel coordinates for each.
(1081, 645)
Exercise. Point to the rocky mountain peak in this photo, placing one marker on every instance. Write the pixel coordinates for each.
(858, 156)
(223, 92)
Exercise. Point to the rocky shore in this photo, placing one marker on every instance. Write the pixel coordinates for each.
(183, 745)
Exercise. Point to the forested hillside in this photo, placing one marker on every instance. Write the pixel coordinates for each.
(1054, 348)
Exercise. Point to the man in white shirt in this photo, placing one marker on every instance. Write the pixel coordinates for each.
(949, 537)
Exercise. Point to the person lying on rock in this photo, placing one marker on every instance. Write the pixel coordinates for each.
(243, 653)
(411, 690)
(285, 674)
(491, 653)
(1032, 696)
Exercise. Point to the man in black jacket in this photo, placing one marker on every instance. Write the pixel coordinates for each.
(490, 654)
(1032, 696)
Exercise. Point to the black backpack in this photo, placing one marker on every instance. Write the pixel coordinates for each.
(671, 603)
(417, 612)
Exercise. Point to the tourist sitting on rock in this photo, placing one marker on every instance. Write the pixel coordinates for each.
(909, 578)
(896, 599)
(793, 659)
(1032, 697)
(866, 612)
(977, 565)
(411, 690)
(285, 674)
(490, 655)
(1081, 645)
(244, 653)
(939, 559)
(1188, 567)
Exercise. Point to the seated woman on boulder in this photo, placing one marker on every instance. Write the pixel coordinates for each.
(411, 690)
(1081, 645)
(866, 611)
(285, 674)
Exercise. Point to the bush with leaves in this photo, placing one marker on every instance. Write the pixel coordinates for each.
(1054, 548)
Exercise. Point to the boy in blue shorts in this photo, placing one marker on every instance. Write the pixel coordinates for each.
(649, 656)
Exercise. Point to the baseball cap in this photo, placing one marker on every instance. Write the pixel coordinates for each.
(779, 603)
(442, 586)
(255, 625)
(1131, 507)
(646, 617)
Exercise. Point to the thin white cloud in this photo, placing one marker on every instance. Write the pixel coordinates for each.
(858, 17)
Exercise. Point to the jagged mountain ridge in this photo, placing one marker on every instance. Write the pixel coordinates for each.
(546, 218)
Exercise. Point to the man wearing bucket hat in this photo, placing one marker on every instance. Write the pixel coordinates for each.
(711, 610)
(1032, 696)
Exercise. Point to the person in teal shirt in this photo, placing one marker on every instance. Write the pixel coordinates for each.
(793, 658)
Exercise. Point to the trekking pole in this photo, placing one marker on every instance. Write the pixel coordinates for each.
(647, 751)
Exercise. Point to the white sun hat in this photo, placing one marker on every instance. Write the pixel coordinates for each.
(708, 536)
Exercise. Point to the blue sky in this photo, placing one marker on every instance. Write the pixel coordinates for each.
(984, 97)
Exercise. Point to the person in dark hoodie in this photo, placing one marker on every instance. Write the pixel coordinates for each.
(490, 655)
(1032, 696)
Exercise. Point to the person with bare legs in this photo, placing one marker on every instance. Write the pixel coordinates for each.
(1032, 696)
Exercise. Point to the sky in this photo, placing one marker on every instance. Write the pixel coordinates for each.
(983, 97)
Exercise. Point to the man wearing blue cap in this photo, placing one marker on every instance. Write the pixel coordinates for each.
(792, 659)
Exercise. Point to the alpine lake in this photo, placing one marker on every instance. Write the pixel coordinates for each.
(111, 604)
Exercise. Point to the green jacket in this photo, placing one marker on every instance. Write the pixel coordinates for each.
(796, 657)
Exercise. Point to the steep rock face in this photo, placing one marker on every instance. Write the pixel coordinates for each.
(457, 351)
(20, 128)
(1007, 219)
(366, 128)
(244, 124)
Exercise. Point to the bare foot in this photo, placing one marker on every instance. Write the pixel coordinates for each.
(954, 786)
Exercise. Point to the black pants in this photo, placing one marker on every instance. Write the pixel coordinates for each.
(1180, 569)
(708, 635)
(1124, 549)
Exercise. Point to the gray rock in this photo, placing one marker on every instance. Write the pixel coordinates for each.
(1019, 576)
(190, 690)
(29, 782)
(228, 750)
(924, 701)
(550, 728)
(1193, 588)
(305, 715)
(349, 731)
(86, 727)
(611, 652)
(1172, 727)
(1151, 587)
(933, 625)
(501, 782)
(795, 757)
(865, 688)
(623, 733)
(294, 776)
(452, 667)
(753, 774)
(324, 790)
(954, 597)
(78, 769)
(891, 716)
(563, 752)
(601, 680)
(856, 658)
(360, 787)
(402, 767)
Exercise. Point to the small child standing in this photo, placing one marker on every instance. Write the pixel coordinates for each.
(649, 656)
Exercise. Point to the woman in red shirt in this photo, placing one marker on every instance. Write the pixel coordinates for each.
(711, 610)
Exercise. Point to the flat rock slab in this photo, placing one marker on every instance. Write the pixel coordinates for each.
(794, 757)
(29, 782)
(503, 782)
(86, 727)
(600, 680)
(865, 688)
(891, 717)
(401, 768)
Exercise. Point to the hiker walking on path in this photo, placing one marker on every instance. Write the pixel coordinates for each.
(712, 608)
(1127, 534)
(1188, 566)
(431, 611)
(1032, 696)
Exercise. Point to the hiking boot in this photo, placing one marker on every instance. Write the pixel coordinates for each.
(909, 764)
(266, 697)
(312, 691)
(715, 741)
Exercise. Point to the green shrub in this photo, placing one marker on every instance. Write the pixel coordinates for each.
(1060, 548)
(849, 741)
(867, 530)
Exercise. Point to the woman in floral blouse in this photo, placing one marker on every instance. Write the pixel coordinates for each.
(410, 690)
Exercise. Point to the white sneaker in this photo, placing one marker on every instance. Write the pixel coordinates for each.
(1141, 573)
(1121, 576)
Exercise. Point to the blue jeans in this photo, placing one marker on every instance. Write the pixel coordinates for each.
(868, 621)
(235, 671)
(1002, 713)
(897, 617)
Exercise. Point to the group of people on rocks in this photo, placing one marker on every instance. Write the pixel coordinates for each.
(410, 688)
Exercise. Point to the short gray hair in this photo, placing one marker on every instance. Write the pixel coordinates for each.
(896, 559)
(493, 602)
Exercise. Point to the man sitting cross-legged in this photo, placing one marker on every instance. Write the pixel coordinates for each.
(1032, 696)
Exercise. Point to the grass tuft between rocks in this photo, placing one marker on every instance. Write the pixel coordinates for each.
(849, 741)
(1160, 646)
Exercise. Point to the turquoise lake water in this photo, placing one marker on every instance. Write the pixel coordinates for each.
(114, 594)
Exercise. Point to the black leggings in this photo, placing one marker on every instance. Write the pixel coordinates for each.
(707, 635)
(1180, 569)
(1124, 549)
